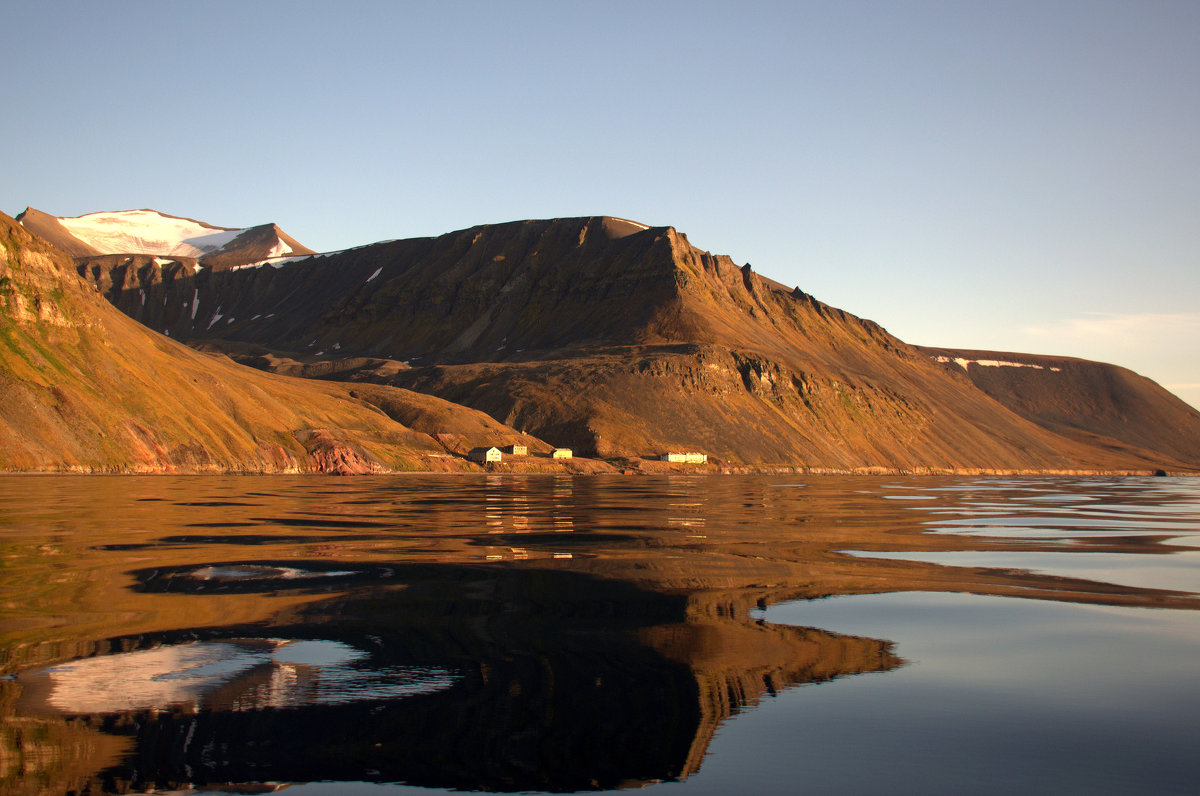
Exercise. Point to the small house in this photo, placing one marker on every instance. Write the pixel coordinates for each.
(562, 453)
(492, 454)
(517, 450)
(685, 458)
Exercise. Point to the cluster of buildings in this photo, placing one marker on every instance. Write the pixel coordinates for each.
(484, 455)
(494, 454)
(686, 458)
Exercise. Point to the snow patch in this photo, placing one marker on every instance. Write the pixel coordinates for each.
(216, 317)
(377, 272)
(148, 232)
(274, 263)
(280, 249)
(992, 363)
(195, 302)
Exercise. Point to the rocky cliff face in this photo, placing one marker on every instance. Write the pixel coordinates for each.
(617, 339)
(86, 389)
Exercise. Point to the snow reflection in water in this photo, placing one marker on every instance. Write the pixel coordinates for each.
(256, 571)
(238, 675)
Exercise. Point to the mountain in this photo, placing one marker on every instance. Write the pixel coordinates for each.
(1092, 402)
(614, 338)
(149, 232)
(87, 389)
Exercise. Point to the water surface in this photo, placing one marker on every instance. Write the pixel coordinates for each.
(556, 633)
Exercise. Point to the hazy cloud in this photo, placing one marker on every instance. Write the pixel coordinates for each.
(1118, 328)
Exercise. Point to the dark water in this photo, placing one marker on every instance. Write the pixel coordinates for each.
(548, 633)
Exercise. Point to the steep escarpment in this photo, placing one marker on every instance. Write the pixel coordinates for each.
(86, 389)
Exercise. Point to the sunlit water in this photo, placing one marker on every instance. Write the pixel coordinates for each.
(550, 633)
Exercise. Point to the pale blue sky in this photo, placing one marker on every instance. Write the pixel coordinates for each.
(1021, 176)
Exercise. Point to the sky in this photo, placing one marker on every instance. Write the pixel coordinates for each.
(1012, 176)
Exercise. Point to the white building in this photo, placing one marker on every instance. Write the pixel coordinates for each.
(685, 458)
(492, 454)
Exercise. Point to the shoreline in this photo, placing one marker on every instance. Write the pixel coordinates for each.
(611, 468)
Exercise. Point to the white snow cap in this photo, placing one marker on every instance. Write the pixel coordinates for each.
(148, 232)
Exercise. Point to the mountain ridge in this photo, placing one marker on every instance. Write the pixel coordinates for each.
(621, 340)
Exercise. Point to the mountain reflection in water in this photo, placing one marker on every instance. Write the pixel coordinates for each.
(510, 633)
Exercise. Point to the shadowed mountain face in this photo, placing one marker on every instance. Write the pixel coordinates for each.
(616, 339)
(85, 388)
(479, 294)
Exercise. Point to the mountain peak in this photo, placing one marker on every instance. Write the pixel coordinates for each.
(152, 232)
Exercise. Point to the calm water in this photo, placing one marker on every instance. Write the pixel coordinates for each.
(548, 633)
